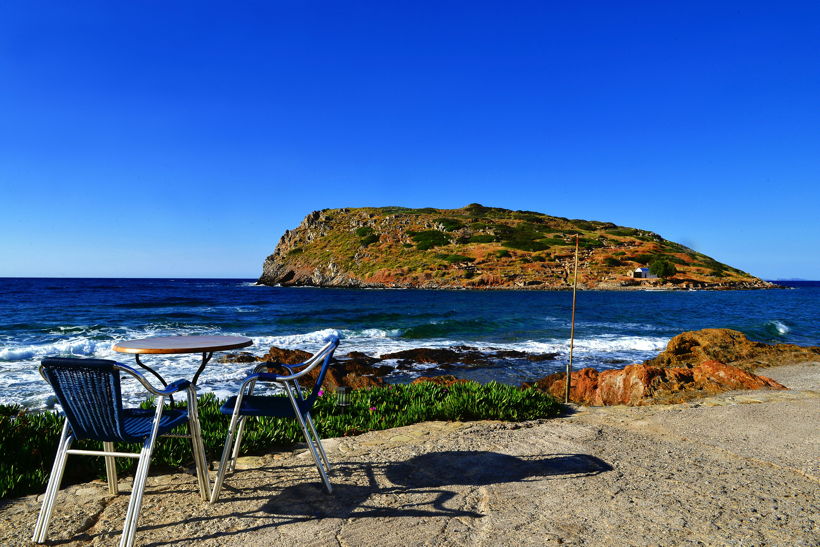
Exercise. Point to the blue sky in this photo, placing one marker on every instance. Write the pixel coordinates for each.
(182, 138)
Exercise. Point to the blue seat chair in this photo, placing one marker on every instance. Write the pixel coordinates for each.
(89, 392)
(294, 405)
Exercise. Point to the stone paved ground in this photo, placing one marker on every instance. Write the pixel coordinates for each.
(738, 469)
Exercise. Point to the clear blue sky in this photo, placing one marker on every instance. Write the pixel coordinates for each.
(182, 138)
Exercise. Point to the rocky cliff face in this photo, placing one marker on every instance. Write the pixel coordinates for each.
(483, 247)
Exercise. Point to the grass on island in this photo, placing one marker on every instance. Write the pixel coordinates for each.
(28, 441)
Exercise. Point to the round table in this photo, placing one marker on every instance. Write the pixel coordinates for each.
(206, 345)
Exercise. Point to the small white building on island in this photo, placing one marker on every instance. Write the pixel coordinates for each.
(643, 273)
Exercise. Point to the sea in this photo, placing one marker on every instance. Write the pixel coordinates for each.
(42, 317)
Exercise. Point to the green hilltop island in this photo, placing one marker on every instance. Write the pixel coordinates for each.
(479, 247)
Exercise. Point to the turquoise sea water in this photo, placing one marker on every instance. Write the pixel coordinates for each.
(85, 317)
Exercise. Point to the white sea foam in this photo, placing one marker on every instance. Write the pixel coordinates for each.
(351, 338)
(80, 346)
(20, 382)
(779, 326)
(612, 326)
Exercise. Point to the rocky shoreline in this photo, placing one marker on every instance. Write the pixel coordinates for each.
(608, 287)
(695, 364)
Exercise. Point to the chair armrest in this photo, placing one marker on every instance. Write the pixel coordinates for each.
(266, 366)
(264, 377)
(173, 387)
(310, 364)
(170, 389)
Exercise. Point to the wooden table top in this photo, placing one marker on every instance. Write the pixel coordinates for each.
(182, 344)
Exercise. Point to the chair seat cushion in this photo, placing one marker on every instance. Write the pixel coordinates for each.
(137, 421)
(260, 405)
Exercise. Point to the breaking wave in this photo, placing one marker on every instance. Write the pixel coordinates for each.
(777, 327)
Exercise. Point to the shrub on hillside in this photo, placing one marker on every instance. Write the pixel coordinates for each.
(428, 239)
(590, 243)
(449, 224)
(623, 232)
(367, 240)
(526, 245)
(662, 267)
(455, 258)
(481, 238)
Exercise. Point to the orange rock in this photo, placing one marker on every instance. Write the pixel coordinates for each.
(627, 386)
(732, 347)
(642, 384)
(582, 390)
(727, 377)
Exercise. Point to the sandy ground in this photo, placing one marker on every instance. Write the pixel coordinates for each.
(737, 469)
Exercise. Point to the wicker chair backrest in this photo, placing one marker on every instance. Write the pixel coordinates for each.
(89, 392)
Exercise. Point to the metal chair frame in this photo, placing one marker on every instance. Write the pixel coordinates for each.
(132, 514)
(301, 411)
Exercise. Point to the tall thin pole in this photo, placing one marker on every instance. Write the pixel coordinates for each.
(572, 328)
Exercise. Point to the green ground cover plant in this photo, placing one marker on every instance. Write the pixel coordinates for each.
(28, 441)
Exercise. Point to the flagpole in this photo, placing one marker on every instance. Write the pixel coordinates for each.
(572, 328)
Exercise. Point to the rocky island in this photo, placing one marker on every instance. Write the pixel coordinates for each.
(478, 247)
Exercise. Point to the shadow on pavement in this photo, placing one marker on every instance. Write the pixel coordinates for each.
(420, 485)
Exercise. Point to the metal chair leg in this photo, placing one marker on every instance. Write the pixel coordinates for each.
(240, 430)
(57, 470)
(198, 447)
(129, 530)
(226, 451)
(309, 420)
(111, 469)
(297, 411)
